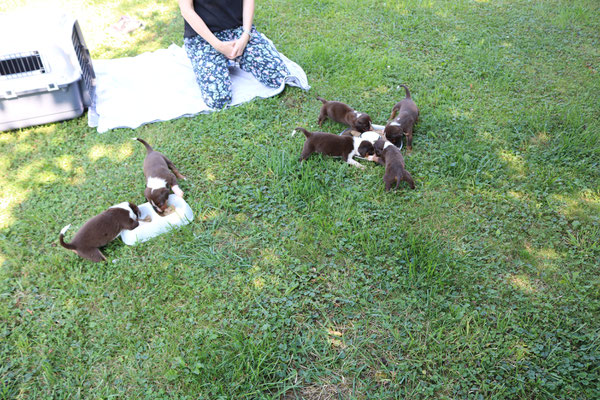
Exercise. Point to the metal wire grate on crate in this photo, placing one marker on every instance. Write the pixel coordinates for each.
(18, 65)
(85, 62)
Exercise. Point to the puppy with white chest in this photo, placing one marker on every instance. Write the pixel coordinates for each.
(344, 114)
(329, 144)
(395, 170)
(402, 126)
(98, 231)
(161, 177)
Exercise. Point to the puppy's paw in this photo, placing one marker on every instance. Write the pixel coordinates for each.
(356, 164)
(177, 191)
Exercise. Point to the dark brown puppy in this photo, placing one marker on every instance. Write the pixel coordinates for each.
(335, 146)
(159, 178)
(395, 170)
(98, 231)
(344, 114)
(408, 113)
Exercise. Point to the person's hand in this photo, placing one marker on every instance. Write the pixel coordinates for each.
(226, 48)
(240, 45)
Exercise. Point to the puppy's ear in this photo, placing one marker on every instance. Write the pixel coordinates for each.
(164, 195)
(365, 123)
(135, 210)
(131, 224)
(378, 146)
(366, 148)
(147, 193)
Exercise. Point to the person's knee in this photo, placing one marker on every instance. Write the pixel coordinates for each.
(217, 100)
(215, 87)
(272, 82)
(270, 71)
(273, 78)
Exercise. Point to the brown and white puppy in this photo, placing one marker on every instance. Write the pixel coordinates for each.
(335, 146)
(98, 231)
(344, 114)
(402, 126)
(159, 178)
(395, 169)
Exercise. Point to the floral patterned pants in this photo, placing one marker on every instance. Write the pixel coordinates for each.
(260, 58)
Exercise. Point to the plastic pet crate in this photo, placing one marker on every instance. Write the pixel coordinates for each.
(46, 72)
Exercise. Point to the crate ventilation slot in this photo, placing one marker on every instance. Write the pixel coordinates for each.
(85, 62)
(21, 64)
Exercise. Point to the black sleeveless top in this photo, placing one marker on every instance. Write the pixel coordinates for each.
(217, 15)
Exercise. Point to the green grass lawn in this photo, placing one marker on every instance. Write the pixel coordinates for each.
(311, 281)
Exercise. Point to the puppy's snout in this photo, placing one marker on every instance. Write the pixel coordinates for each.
(161, 209)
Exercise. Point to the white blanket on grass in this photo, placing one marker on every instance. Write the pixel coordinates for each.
(160, 86)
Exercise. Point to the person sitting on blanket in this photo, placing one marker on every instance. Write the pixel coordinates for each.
(217, 31)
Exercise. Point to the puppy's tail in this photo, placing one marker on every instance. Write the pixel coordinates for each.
(306, 133)
(322, 99)
(407, 91)
(142, 141)
(61, 239)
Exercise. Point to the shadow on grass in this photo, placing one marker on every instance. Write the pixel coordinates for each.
(162, 26)
(53, 175)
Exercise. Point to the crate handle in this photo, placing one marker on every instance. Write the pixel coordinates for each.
(9, 94)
